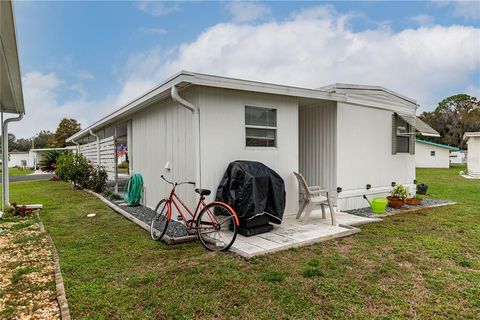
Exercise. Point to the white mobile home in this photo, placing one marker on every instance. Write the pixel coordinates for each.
(18, 159)
(342, 137)
(35, 156)
(458, 157)
(473, 158)
(429, 154)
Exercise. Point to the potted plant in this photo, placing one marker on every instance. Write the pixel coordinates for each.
(414, 201)
(397, 196)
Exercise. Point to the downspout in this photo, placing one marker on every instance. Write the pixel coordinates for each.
(5, 180)
(77, 144)
(98, 146)
(194, 109)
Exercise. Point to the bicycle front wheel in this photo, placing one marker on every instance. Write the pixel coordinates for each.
(160, 220)
(216, 227)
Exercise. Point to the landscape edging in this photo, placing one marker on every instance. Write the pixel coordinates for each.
(61, 295)
(140, 223)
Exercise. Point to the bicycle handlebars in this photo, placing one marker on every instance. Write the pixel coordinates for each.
(177, 183)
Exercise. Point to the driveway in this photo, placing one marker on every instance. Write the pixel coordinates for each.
(29, 177)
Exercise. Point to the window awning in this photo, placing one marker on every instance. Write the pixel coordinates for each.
(420, 126)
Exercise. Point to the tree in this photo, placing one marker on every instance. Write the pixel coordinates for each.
(66, 128)
(453, 117)
(44, 139)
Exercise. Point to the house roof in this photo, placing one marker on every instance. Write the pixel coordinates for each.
(437, 145)
(11, 95)
(184, 79)
(54, 149)
(468, 135)
(369, 89)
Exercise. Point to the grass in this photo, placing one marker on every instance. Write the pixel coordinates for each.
(15, 172)
(424, 264)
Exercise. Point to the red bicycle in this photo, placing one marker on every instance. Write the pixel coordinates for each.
(216, 224)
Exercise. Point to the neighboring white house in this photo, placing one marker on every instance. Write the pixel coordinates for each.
(18, 159)
(432, 155)
(36, 155)
(458, 157)
(473, 159)
(341, 137)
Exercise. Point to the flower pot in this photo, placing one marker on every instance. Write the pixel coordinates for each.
(395, 203)
(413, 202)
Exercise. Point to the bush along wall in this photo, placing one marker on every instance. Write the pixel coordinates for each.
(75, 168)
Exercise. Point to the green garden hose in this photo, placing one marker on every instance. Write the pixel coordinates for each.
(134, 190)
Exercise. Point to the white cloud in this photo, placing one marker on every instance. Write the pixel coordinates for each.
(44, 110)
(311, 48)
(315, 47)
(243, 12)
(158, 8)
(469, 10)
(423, 19)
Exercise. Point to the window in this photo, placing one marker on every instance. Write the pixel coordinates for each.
(432, 153)
(260, 127)
(402, 136)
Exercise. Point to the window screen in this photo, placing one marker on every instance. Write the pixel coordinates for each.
(260, 127)
(403, 138)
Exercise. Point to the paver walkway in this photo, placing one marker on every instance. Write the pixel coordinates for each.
(295, 233)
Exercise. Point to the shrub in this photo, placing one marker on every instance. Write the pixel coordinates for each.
(110, 194)
(49, 161)
(400, 192)
(123, 165)
(97, 180)
(73, 167)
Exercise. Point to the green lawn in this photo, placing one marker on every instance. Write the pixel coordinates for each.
(13, 172)
(421, 265)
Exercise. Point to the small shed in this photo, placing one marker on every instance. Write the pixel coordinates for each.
(429, 154)
(473, 158)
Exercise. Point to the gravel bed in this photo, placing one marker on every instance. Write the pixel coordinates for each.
(175, 229)
(367, 212)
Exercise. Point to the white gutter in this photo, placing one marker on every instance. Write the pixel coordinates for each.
(77, 144)
(5, 178)
(98, 146)
(195, 110)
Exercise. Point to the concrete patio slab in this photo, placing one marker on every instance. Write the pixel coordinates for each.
(294, 233)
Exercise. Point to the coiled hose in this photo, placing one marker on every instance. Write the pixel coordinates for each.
(134, 190)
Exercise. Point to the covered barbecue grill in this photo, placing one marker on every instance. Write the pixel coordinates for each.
(255, 192)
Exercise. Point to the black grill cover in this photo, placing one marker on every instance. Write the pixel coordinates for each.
(252, 188)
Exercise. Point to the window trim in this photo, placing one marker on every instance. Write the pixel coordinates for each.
(408, 134)
(245, 126)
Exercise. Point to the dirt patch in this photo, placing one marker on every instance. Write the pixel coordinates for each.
(27, 285)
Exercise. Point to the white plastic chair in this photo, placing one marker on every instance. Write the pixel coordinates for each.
(312, 196)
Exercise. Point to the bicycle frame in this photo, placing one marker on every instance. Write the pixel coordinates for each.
(189, 223)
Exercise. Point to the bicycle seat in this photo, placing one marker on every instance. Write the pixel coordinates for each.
(203, 192)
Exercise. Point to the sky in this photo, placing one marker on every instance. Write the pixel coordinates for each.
(83, 60)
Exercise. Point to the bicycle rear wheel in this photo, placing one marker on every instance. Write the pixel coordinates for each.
(216, 227)
(160, 221)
